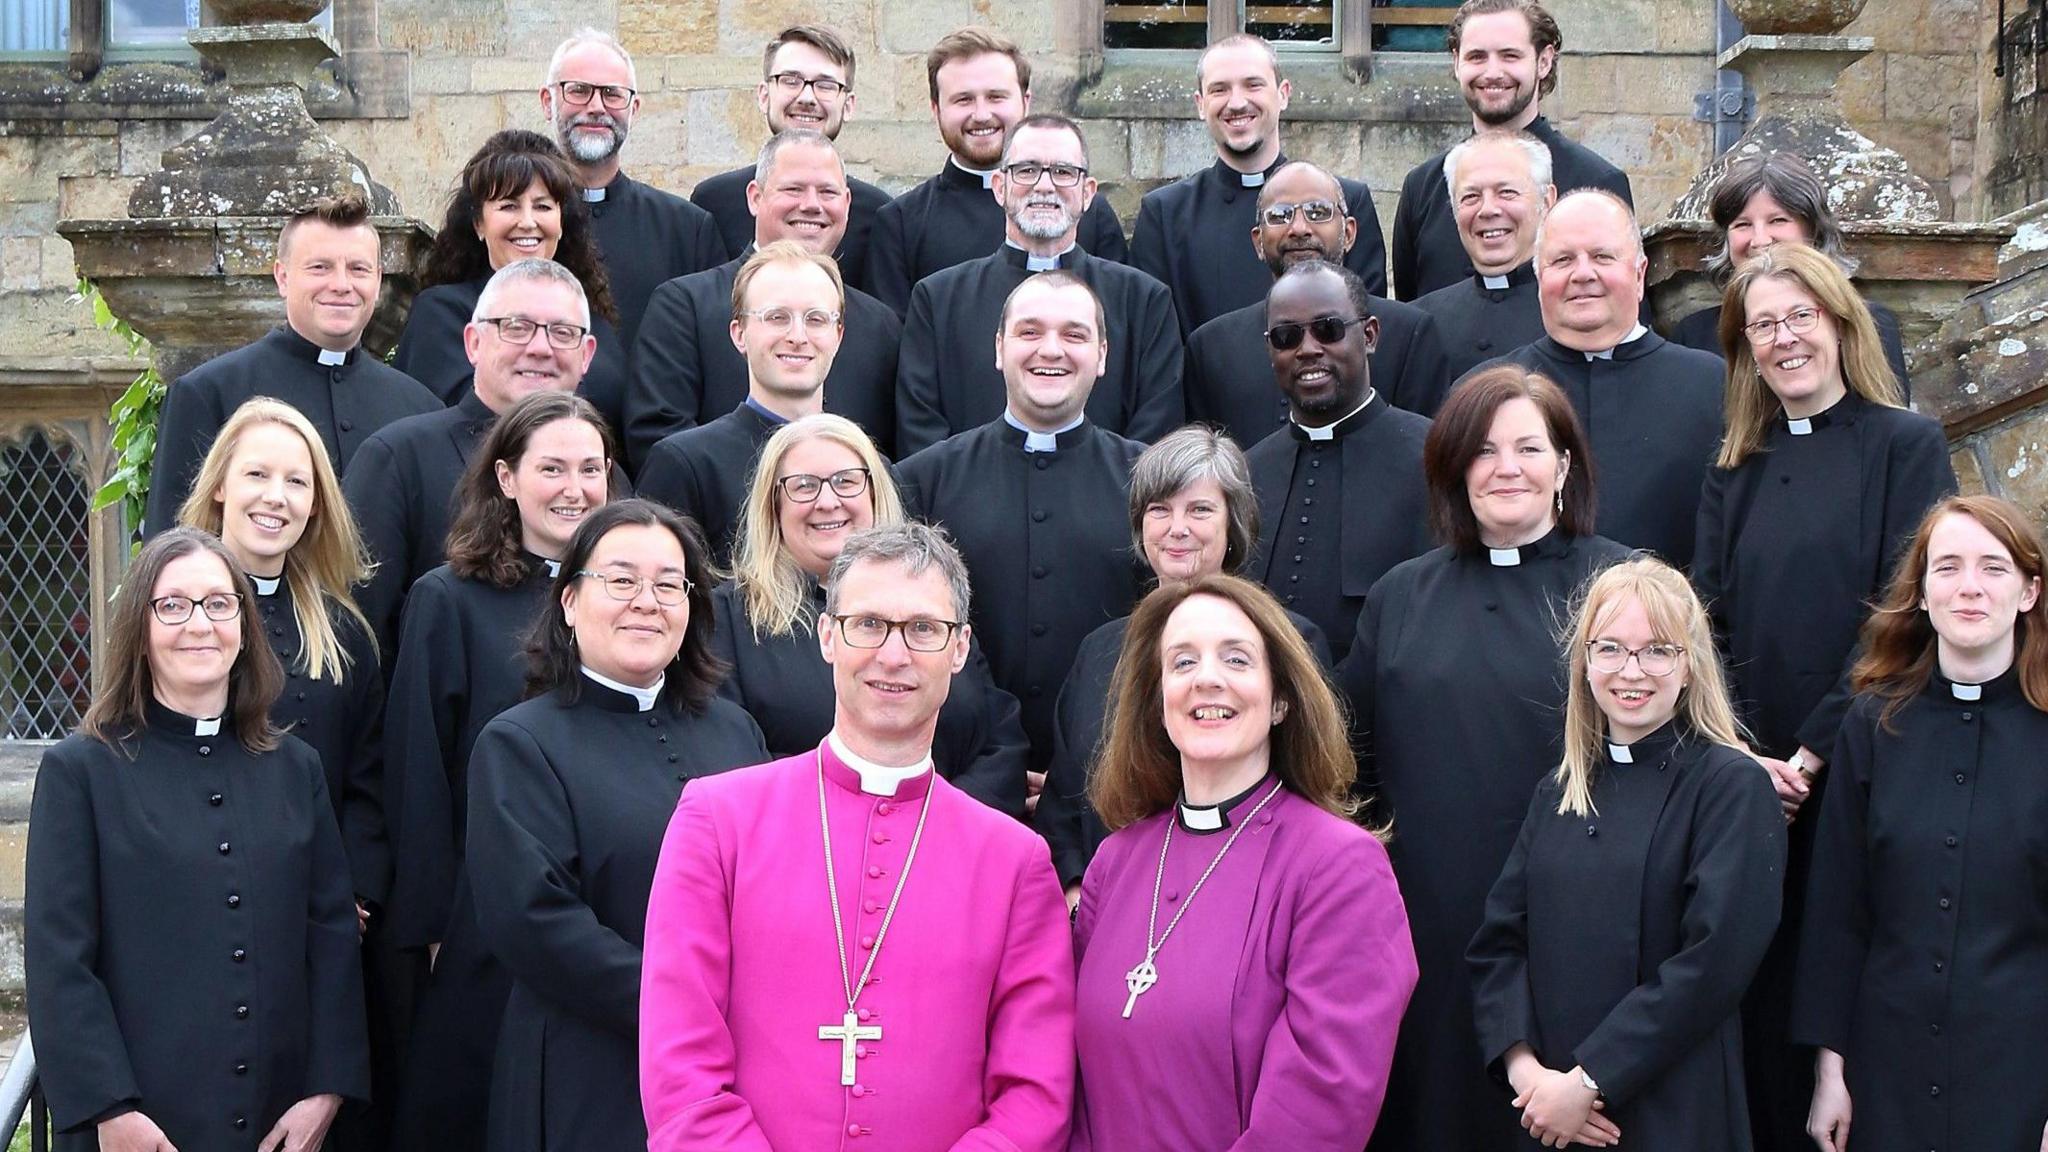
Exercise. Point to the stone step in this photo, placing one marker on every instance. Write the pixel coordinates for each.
(17, 787)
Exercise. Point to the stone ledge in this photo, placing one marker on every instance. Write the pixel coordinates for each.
(1159, 85)
(372, 84)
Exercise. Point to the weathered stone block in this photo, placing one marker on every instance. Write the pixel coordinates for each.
(724, 127)
(1109, 149)
(694, 72)
(1594, 26)
(1635, 84)
(143, 143)
(1969, 470)
(430, 28)
(21, 263)
(440, 75)
(1684, 26)
(662, 131)
(1859, 92)
(745, 25)
(520, 75)
(1169, 149)
(1930, 26)
(86, 197)
(2016, 456)
(899, 153)
(669, 27)
(1928, 88)
(35, 218)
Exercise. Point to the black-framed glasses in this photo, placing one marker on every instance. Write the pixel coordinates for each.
(1799, 322)
(1026, 173)
(669, 591)
(786, 319)
(520, 330)
(1611, 656)
(175, 610)
(795, 82)
(919, 635)
(1326, 330)
(1281, 215)
(578, 92)
(804, 488)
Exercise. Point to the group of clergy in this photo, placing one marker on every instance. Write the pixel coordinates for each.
(777, 669)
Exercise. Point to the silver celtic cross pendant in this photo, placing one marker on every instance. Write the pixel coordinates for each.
(1138, 980)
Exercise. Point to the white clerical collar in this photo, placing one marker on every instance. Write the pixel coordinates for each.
(554, 567)
(876, 779)
(1800, 427)
(1620, 754)
(331, 358)
(593, 195)
(1504, 557)
(1033, 262)
(987, 176)
(209, 726)
(1329, 431)
(1967, 691)
(1252, 179)
(1634, 334)
(266, 585)
(1493, 283)
(1035, 441)
(644, 697)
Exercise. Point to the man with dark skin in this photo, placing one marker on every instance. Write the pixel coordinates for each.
(1341, 496)
(1226, 360)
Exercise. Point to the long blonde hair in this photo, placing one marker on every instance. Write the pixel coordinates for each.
(1751, 405)
(775, 593)
(328, 559)
(1676, 617)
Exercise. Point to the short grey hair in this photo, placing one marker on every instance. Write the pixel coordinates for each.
(915, 545)
(583, 36)
(1635, 230)
(792, 138)
(533, 269)
(1534, 150)
(1189, 455)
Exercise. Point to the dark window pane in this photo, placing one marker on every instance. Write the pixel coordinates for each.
(35, 25)
(1411, 25)
(1299, 22)
(45, 588)
(150, 23)
(1154, 24)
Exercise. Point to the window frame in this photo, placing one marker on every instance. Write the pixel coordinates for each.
(1083, 24)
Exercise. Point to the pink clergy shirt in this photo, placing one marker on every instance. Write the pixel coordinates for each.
(973, 990)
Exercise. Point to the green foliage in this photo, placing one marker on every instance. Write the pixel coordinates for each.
(133, 416)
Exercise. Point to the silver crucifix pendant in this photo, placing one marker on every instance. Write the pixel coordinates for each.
(1138, 980)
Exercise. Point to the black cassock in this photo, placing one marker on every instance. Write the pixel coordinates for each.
(190, 936)
(703, 472)
(685, 371)
(459, 664)
(646, 237)
(1066, 818)
(1925, 957)
(1652, 415)
(946, 376)
(953, 218)
(725, 197)
(785, 684)
(1483, 317)
(430, 350)
(1229, 378)
(1195, 236)
(1794, 544)
(573, 800)
(1427, 252)
(403, 498)
(1336, 514)
(1047, 539)
(1456, 684)
(1621, 942)
(1702, 330)
(346, 403)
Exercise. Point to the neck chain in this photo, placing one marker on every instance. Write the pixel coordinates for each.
(852, 987)
(1146, 974)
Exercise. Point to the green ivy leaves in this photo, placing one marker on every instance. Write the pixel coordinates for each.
(133, 416)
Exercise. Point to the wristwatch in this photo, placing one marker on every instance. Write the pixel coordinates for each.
(1586, 1078)
(1798, 764)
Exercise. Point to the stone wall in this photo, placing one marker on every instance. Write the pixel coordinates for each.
(2017, 121)
(1627, 85)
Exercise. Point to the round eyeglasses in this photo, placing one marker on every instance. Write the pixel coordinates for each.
(174, 610)
(919, 635)
(1609, 656)
(804, 488)
(669, 591)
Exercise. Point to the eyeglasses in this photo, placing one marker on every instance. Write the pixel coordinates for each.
(1326, 330)
(175, 610)
(615, 96)
(1281, 215)
(1798, 322)
(804, 488)
(669, 591)
(919, 635)
(785, 319)
(520, 330)
(1026, 174)
(1654, 659)
(795, 82)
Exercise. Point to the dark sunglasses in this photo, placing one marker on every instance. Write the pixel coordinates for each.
(1326, 330)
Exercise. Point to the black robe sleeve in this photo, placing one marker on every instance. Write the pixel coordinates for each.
(888, 257)
(1420, 182)
(184, 433)
(1834, 932)
(1503, 1002)
(1424, 375)
(430, 349)
(337, 1049)
(663, 392)
(380, 493)
(920, 404)
(992, 771)
(428, 701)
(1156, 407)
(1734, 886)
(361, 803)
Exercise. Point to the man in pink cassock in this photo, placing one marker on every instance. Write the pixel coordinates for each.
(916, 994)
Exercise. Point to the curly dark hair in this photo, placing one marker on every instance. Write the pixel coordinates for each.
(552, 664)
(484, 541)
(508, 164)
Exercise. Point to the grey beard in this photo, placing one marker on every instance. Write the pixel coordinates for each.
(586, 149)
(1045, 230)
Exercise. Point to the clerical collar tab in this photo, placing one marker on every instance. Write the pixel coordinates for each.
(1201, 819)
(1252, 179)
(1504, 557)
(554, 568)
(1495, 283)
(593, 195)
(1620, 754)
(876, 779)
(1040, 263)
(1205, 818)
(1322, 432)
(1036, 441)
(206, 727)
(331, 358)
(266, 585)
(643, 697)
(1799, 427)
(1634, 334)
(1325, 432)
(1967, 691)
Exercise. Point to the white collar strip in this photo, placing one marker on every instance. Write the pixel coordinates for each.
(1040, 263)
(1634, 334)
(1329, 431)
(554, 567)
(1207, 819)
(266, 585)
(644, 697)
(876, 779)
(331, 358)
(207, 727)
(1967, 691)
(1504, 557)
(1035, 441)
(1494, 282)
(1620, 754)
(1250, 180)
(593, 195)
(1799, 427)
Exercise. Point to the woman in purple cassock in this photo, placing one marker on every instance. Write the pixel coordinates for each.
(1243, 949)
